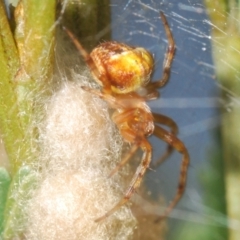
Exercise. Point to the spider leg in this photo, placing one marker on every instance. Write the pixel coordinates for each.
(103, 95)
(136, 180)
(168, 57)
(86, 56)
(125, 159)
(78, 45)
(161, 119)
(124, 119)
(179, 146)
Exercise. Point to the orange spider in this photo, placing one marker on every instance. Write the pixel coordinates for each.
(124, 75)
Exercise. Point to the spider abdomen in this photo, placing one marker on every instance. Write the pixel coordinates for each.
(122, 67)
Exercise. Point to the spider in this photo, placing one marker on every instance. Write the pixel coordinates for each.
(124, 73)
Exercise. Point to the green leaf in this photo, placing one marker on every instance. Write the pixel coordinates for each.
(19, 193)
(4, 185)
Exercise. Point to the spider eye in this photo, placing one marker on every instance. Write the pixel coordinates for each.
(124, 68)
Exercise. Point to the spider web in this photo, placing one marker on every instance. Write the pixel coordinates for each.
(191, 98)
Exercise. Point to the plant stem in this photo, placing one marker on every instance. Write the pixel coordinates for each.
(26, 69)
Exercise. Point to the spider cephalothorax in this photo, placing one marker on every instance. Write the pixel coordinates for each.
(124, 75)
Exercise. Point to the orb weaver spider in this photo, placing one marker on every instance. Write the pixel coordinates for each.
(124, 75)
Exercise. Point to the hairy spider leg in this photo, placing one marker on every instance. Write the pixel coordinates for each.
(136, 180)
(158, 118)
(164, 120)
(127, 157)
(125, 120)
(119, 118)
(87, 58)
(168, 137)
(168, 57)
(118, 101)
(78, 45)
(180, 147)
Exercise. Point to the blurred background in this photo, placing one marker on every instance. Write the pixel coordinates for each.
(202, 97)
(192, 98)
